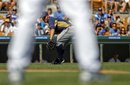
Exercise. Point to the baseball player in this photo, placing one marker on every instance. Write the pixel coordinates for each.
(85, 43)
(63, 29)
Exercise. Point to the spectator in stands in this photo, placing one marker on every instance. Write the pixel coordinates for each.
(114, 31)
(42, 23)
(123, 32)
(105, 2)
(101, 29)
(119, 22)
(9, 15)
(1, 5)
(53, 1)
(100, 15)
(102, 32)
(115, 58)
(107, 33)
(108, 22)
(53, 5)
(104, 29)
(5, 28)
(110, 14)
(1, 20)
(123, 6)
(127, 59)
(7, 4)
(98, 29)
(116, 5)
(112, 3)
(39, 31)
(13, 27)
(59, 15)
(13, 4)
(129, 5)
(14, 15)
(128, 22)
(42, 26)
(128, 26)
(46, 29)
(49, 12)
(45, 18)
(103, 25)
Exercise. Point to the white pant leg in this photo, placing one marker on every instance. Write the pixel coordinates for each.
(85, 39)
(20, 47)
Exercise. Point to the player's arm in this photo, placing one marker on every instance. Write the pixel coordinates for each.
(51, 44)
(52, 32)
(52, 27)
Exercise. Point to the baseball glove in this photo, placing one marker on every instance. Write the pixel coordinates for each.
(51, 45)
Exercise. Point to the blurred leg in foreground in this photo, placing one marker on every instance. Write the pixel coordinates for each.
(21, 45)
(86, 47)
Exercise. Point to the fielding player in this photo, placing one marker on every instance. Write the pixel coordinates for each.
(64, 30)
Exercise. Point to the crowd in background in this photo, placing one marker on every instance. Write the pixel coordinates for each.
(108, 21)
(8, 17)
(109, 24)
(118, 6)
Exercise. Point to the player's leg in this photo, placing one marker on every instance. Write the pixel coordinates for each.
(20, 47)
(86, 48)
(62, 39)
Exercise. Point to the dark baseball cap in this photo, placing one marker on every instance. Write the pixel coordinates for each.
(98, 25)
(99, 9)
(102, 21)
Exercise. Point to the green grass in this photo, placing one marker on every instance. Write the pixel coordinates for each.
(68, 78)
(109, 66)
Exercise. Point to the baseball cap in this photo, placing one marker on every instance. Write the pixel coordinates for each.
(99, 9)
(102, 21)
(98, 25)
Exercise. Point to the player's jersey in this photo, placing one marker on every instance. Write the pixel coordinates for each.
(58, 25)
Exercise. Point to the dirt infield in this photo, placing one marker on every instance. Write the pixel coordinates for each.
(69, 70)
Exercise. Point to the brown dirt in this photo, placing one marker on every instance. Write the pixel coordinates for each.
(68, 70)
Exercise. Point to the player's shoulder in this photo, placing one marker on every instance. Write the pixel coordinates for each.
(52, 19)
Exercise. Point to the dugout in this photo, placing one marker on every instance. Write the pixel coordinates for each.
(111, 49)
(107, 45)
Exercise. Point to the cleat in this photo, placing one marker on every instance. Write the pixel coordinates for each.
(59, 61)
(89, 77)
(16, 76)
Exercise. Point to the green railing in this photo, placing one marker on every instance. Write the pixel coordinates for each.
(102, 40)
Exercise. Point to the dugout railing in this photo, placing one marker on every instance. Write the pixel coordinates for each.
(102, 40)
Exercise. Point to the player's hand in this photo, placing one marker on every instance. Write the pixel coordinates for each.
(51, 45)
